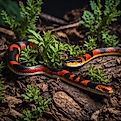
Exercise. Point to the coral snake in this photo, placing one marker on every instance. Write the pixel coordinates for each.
(14, 52)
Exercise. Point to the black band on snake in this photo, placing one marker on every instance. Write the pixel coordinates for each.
(14, 52)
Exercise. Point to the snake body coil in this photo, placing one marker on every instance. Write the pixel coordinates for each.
(70, 77)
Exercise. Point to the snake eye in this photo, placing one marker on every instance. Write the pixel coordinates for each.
(103, 88)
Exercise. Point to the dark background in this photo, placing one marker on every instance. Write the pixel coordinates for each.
(55, 8)
(59, 7)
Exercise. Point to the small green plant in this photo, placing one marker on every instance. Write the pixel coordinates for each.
(29, 14)
(91, 43)
(11, 7)
(29, 56)
(109, 40)
(33, 95)
(26, 116)
(97, 75)
(98, 20)
(52, 52)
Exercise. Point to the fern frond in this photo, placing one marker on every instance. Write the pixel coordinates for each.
(88, 19)
(29, 15)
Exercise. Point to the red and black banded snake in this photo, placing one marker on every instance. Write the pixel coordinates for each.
(14, 52)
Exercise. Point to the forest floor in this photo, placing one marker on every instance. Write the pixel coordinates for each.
(68, 103)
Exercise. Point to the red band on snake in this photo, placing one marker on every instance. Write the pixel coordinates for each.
(14, 52)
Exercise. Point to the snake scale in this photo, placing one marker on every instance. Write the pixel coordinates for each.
(14, 52)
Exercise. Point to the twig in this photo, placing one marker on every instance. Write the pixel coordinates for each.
(52, 18)
(8, 32)
(67, 26)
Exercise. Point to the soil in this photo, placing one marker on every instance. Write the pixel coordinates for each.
(68, 103)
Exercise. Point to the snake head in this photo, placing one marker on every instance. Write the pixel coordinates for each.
(104, 88)
(73, 63)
